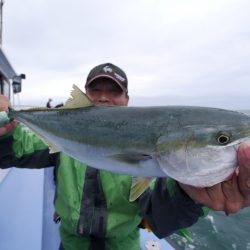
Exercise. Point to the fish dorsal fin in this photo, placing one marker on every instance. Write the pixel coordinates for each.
(77, 100)
(138, 187)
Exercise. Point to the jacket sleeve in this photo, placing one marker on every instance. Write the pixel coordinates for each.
(166, 208)
(23, 149)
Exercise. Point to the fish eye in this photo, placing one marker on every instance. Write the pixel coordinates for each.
(223, 139)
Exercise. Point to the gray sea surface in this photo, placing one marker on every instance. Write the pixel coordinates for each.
(246, 111)
(217, 231)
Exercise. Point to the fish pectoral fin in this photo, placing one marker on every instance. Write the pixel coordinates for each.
(131, 158)
(78, 99)
(138, 187)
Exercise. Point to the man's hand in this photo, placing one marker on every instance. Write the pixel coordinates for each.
(4, 105)
(244, 175)
(8, 127)
(229, 196)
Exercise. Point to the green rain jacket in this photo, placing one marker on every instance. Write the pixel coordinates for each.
(93, 204)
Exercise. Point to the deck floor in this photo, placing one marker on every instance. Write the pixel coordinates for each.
(26, 213)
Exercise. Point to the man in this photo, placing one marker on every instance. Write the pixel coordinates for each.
(93, 204)
(48, 104)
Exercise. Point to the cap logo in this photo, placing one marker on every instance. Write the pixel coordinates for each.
(107, 69)
(119, 77)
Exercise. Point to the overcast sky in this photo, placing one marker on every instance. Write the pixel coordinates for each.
(182, 52)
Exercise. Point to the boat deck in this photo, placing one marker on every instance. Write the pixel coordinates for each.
(26, 213)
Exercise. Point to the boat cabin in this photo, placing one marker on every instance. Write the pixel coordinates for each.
(10, 82)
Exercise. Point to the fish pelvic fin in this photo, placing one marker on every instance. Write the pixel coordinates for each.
(78, 99)
(138, 187)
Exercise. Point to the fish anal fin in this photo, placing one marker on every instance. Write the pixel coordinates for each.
(138, 187)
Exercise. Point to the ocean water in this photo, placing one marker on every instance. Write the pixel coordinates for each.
(245, 111)
(218, 232)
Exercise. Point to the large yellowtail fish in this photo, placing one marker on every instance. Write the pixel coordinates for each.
(193, 145)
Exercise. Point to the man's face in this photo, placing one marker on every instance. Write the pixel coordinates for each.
(105, 92)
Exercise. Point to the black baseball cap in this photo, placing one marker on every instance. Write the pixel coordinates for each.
(111, 71)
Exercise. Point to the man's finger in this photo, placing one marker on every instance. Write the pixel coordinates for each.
(197, 194)
(234, 199)
(216, 197)
(244, 168)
